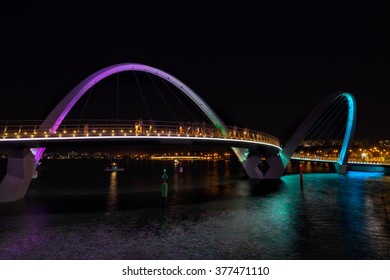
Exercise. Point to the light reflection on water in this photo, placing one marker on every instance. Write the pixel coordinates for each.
(112, 199)
(212, 213)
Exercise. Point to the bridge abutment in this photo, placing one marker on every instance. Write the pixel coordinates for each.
(21, 166)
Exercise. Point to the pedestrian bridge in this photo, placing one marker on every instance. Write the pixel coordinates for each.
(260, 154)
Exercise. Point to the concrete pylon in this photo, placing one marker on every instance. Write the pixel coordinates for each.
(251, 167)
(275, 170)
(341, 168)
(21, 166)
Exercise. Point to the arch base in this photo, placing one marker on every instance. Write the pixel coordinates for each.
(251, 166)
(274, 169)
(341, 168)
(21, 166)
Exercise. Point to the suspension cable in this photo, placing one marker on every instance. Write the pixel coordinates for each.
(185, 107)
(324, 126)
(339, 102)
(86, 103)
(335, 125)
(197, 108)
(334, 114)
(341, 123)
(142, 95)
(162, 96)
(328, 110)
(117, 97)
(342, 130)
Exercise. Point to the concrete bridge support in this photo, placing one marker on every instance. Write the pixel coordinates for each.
(251, 166)
(21, 166)
(273, 167)
(341, 168)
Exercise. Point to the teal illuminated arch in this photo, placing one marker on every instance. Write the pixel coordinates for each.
(349, 130)
(293, 143)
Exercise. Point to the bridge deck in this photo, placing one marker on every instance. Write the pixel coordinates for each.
(27, 134)
(334, 160)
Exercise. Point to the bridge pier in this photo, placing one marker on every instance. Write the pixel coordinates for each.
(274, 168)
(21, 166)
(341, 168)
(251, 166)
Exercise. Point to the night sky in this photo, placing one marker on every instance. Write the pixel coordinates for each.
(263, 68)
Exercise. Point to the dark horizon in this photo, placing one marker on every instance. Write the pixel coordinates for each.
(263, 69)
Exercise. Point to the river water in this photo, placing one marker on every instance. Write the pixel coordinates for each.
(75, 210)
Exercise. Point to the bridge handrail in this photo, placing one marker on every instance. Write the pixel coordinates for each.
(30, 128)
(305, 157)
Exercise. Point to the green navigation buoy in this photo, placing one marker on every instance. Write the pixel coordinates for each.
(164, 176)
(164, 186)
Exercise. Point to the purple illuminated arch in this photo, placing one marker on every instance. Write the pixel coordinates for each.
(58, 114)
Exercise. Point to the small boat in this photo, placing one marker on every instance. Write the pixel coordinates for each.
(114, 168)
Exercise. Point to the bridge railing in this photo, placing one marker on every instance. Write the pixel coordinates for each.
(85, 128)
(314, 157)
(305, 157)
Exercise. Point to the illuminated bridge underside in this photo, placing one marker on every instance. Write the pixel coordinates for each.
(65, 141)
